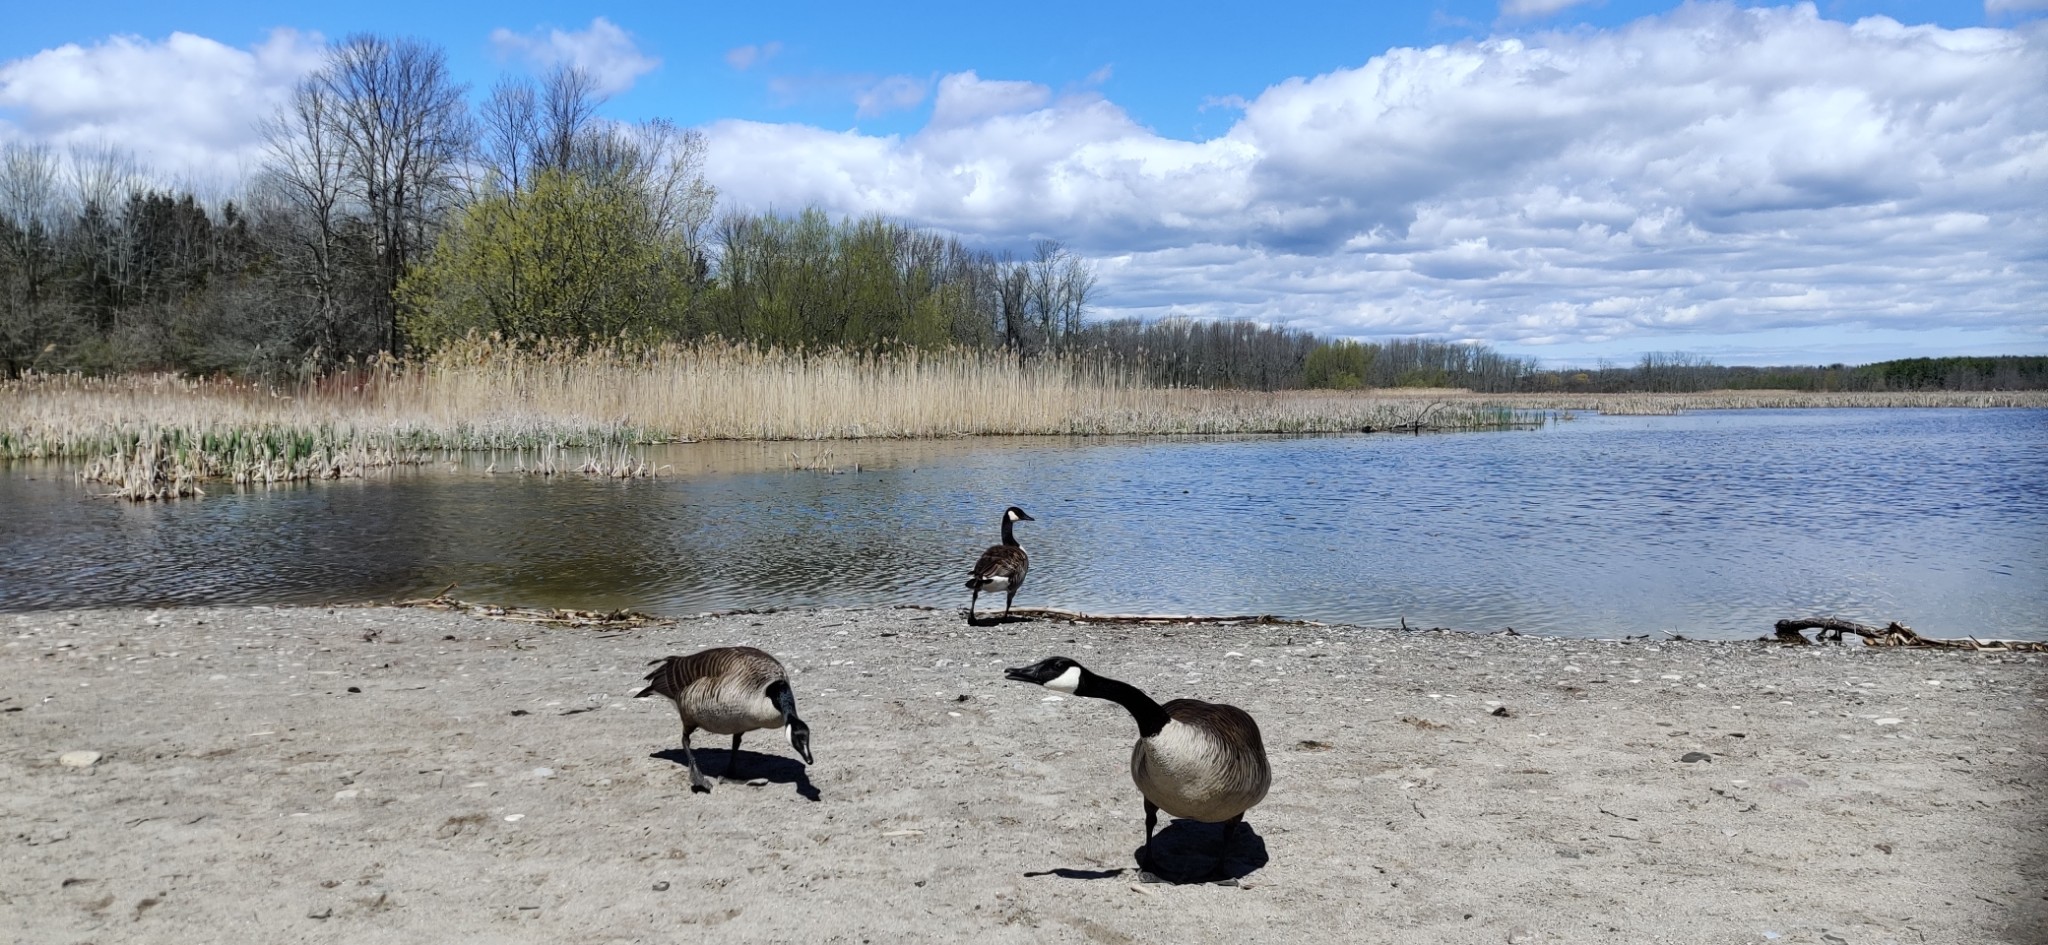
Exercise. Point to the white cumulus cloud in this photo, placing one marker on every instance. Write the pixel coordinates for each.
(602, 49)
(186, 105)
(1537, 7)
(965, 97)
(1709, 171)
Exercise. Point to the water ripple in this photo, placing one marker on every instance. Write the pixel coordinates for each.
(1709, 525)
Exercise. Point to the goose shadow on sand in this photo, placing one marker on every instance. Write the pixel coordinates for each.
(753, 765)
(1185, 852)
(996, 621)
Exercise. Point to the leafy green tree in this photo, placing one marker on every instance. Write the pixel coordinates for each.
(572, 257)
(1341, 364)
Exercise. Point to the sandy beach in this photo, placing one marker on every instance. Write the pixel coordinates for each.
(405, 775)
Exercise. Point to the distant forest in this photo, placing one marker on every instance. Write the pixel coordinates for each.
(391, 216)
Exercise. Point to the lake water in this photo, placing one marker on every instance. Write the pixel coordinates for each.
(1713, 524)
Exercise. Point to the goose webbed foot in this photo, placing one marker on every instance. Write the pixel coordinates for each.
(1149, 871)
(699, 784)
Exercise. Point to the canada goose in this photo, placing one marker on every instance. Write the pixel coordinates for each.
(1002, 567)
(729, 690)
(1193, 759)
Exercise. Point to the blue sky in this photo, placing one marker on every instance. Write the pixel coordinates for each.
(1569, 180)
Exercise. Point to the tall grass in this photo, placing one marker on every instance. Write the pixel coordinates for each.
(483, 396)
(158, 435)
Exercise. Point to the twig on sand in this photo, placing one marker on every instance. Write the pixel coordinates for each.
(1893, 634)
(555, 616)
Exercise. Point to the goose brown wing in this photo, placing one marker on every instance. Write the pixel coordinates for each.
(1001, 561)
(1229, 724)
(673, 674)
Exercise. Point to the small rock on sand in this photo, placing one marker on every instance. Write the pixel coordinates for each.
(78, 759)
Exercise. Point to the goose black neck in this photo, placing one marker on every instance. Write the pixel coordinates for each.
(784, 699)
(1009, 537)
(1151, 718)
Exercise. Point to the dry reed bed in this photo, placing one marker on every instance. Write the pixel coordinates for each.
(158, 436)
(486, 398)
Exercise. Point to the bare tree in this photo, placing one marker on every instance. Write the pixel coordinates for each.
(1059, 285)
(102, 243)
(104, 175)
(568, 103)
(403, 130)
(674, 181)
(305, 174)
(509, 128)
(32, 217)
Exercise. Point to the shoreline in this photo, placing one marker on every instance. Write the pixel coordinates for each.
(350, 773)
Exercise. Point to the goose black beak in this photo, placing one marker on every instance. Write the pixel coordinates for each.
(800, 739)
(1019, 674)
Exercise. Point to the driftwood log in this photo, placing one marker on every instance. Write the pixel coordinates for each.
(1075, 616)
(1892, 634)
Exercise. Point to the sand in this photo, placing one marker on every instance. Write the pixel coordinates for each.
(392, 775)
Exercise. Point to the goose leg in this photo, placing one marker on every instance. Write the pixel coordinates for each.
(732, 761)
(698, 783)
(970, 604)
(1146, 872)
(1223, 849)
(1007, 601)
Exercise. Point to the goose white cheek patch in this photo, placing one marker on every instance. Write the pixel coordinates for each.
(1066, 682)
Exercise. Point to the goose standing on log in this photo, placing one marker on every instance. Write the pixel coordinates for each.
(1199, 760)
(729, 690)
(1002, 567)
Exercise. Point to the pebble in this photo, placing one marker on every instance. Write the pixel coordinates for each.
(661, 886)
(514, 818)
(543, 772)
(349, 794)
(1889, 721)
(78, 759)
(1692, 756)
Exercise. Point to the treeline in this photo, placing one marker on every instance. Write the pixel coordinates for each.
(1685, 373)
(1235, 354)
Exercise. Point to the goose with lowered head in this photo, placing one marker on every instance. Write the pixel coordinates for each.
(728, 690)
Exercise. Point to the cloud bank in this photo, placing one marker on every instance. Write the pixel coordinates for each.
(1714, 170)
(187, 103)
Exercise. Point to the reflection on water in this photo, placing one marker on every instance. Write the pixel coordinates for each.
(1713, 524)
